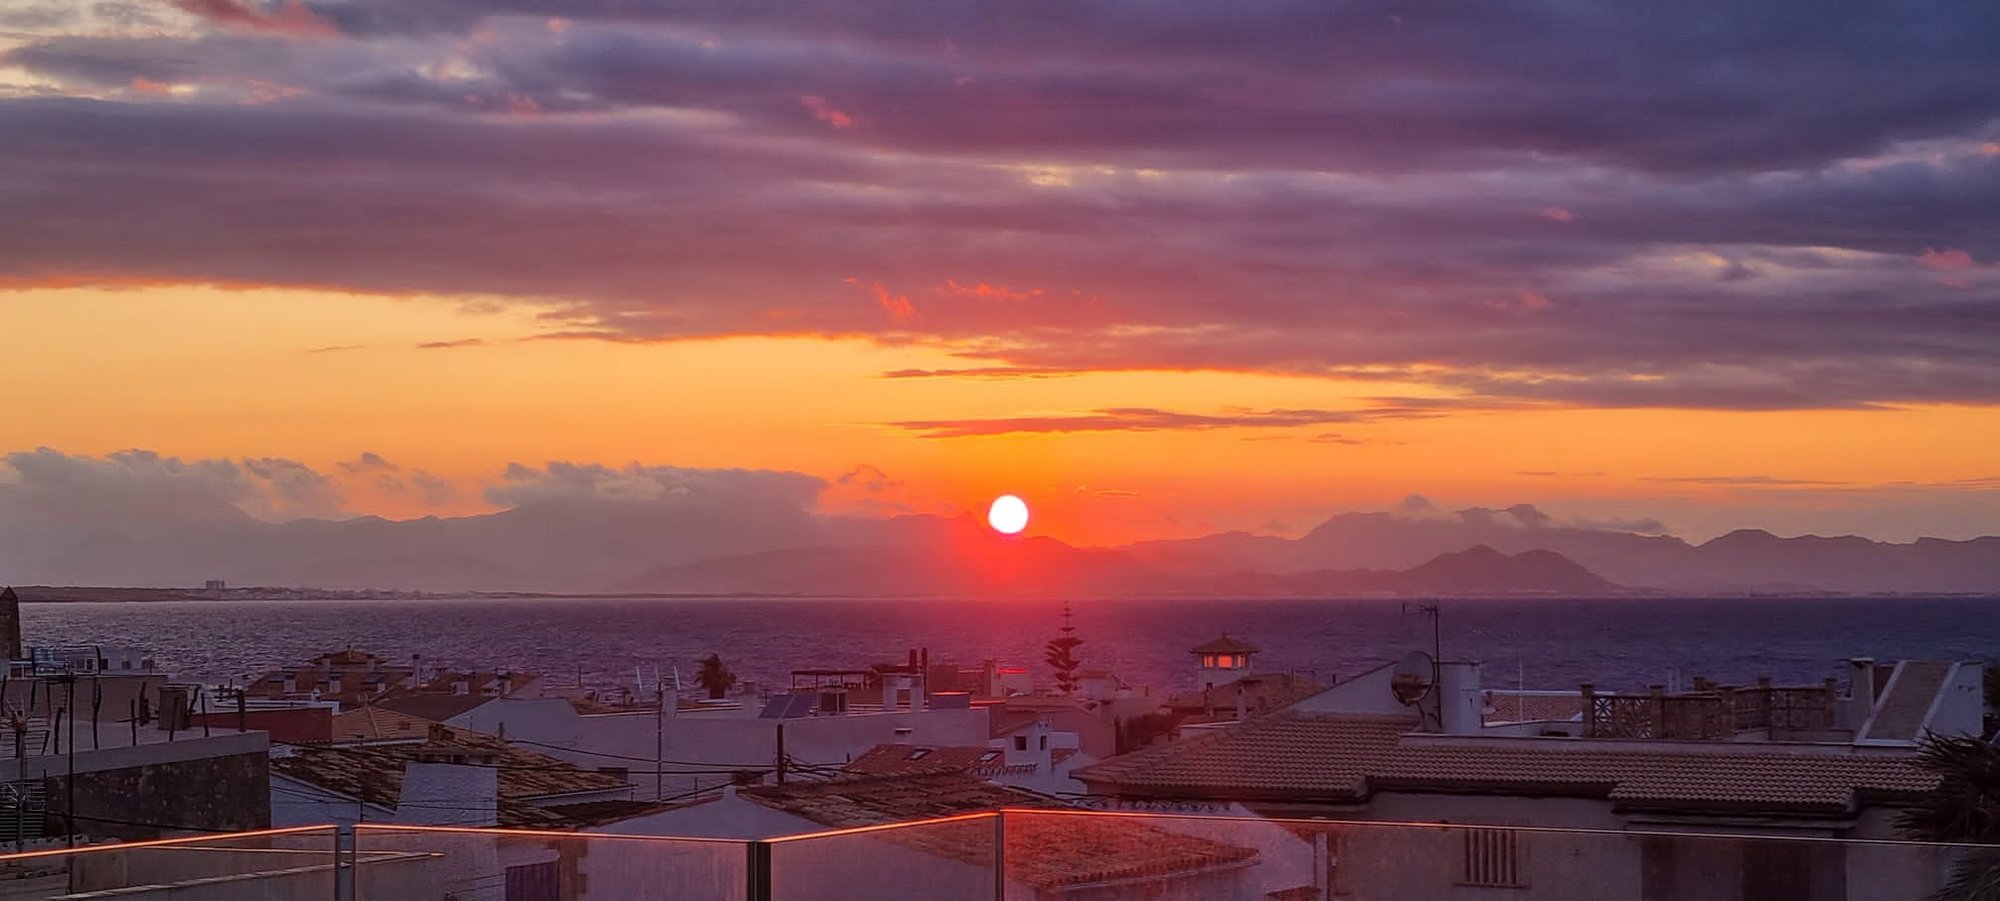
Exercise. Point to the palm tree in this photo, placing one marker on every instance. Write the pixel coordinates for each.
(715, 676)
(1963, 808)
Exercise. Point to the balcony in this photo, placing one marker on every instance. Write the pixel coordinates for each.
(1006, 855)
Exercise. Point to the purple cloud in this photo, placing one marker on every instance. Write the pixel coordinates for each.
(1532, 204)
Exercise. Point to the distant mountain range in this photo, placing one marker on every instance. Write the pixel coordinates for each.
(589, 546)
(1043, 566)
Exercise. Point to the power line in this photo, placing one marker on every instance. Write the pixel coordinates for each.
(559, 766)
(609, 755)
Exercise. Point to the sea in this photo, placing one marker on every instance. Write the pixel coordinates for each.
(607, 643)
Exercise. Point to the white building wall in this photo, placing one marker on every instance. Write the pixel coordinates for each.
(295, 803)
(1367, 693)
(445, 794)
(1961, 704)
(548, 720)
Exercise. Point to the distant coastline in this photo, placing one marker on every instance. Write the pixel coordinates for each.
(68, 594)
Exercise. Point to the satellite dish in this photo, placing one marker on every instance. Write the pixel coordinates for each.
(1413, 678)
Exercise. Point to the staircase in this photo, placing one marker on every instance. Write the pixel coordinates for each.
(23, 806)
(1911, 691)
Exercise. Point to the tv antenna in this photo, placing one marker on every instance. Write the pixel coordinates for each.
(1433, 668)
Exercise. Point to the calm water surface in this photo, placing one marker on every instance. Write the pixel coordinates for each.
(1549, 643)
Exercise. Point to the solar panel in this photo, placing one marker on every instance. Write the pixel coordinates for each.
(788, 706)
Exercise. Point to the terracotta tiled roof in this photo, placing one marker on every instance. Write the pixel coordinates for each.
(1045, 850)
(1524, 707)
(376, 773)
(346, 657)
(430, 706)
(479, 681)
(595, 813)
(1225, 645)
(869, 800)
(379, 724)
(1261, 694)
(1341, 759)
(889, 759)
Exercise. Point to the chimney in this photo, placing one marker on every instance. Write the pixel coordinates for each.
(1460, 698)
(1861, 688)
(10, 623)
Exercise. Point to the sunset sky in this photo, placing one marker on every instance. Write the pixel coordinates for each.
(1161, 268)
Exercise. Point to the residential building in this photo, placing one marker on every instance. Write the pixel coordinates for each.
(353, 677)
(1035, 758)
(1765, 760)
(1073, 856)
(346, 676)
(689, 745)
(448, 777)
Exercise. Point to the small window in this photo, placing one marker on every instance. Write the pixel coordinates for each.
(989, 757)
(1045, 743)
(1020, 743)
(1492, 858)
(534, 882)
(918, 754)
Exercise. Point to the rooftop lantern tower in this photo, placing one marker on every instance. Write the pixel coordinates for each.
(1223, 660)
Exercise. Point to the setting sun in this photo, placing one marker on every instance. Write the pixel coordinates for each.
(1008, 515)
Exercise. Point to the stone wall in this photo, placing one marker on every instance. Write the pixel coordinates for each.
(228, 793)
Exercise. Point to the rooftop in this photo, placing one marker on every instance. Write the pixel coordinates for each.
(1225, 645)
(1045, 852)
(894, 759)
(376, 773)
(371, 724)
(1509, 706)
(1343, 758)
(425, 705)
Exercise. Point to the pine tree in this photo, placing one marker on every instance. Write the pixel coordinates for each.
(1062, 655)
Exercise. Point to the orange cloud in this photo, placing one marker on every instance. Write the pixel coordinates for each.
(824, 112)
(897, 306)
(985, 291)
(1556, 213)
(146, 85)
(292, 18)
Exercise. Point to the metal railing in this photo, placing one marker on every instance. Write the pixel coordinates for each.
(1004, 855)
